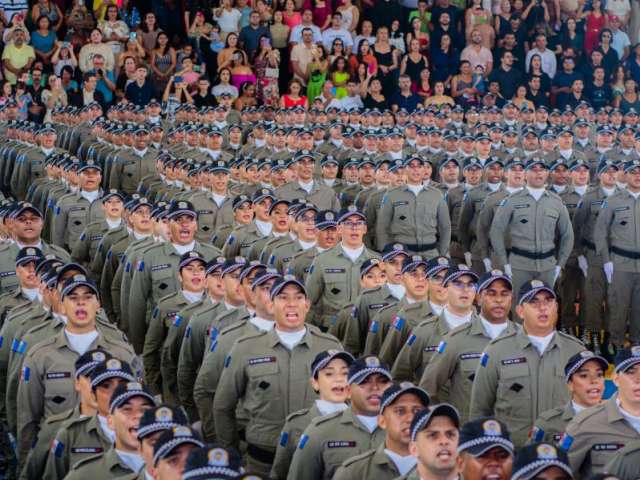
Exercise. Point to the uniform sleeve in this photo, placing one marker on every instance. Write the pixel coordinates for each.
(622, 467)
(14, 371)
(315, 285)
(115, 175)
(284, 453)
(395, 338)
(485, 385)
(578, 446)
(601, 232)
(385, 215)
(6, 339)
(205, 387)
(401, 370)
(464, 223)
(106, 280)
(152, 351)
(187, 372)
(114, 286)
(565, 230)
(140, 291)
(307, 459)
(484, 225)
(439, 371)
(580, 217)
(30, 398)
(444, 228)
(231, 389)
(375, 333)
(232, 245)
(499, 227)
(354, 330)
(58, 457)
(80, 251)
(59, 226)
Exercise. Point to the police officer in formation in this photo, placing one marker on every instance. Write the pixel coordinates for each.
(307, 303)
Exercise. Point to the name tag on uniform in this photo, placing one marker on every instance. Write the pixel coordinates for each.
(58, 375)
(431, 348)
(621, 209)
(522, 205)
(377, 306)
(162, 266)
(261, 360)
(399, 204)
(334, 270)
(77, 209)
(204, 212)
(95, 237)
(87, 450)
(470, 356)
(596, 202)
(341, 444)
(514, 361)
(571, 205)
(7, 274)
(606, 447)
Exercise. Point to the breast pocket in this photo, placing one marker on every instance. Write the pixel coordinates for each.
(335, 289)
(76, 221)
(58, 391)
(130, 170)
(550, 221)
(264, 388)
(401, 214)
(163, 281)
(513, 391)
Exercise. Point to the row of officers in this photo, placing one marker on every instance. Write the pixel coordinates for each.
(296, 404)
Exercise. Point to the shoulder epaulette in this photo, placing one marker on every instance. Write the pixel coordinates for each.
(549, 414)
(298, 414)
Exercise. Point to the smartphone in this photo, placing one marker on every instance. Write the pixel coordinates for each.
(177, 80)
(133, 35)
(266, 42)
(196, 68)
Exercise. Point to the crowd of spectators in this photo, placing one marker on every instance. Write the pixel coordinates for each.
(384, 54)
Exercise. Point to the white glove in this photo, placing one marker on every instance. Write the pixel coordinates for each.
(507, 270)
(487, 264)
(608, 271)
(582, 263)
(467, 259)
(556, 273)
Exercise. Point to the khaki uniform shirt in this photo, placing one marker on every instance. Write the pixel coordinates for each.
(516, 384)
(370, 465)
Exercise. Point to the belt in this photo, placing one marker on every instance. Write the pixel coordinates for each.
(626, 253)
(532, 255)
(588, 244)
(260, 454)
(420, 247)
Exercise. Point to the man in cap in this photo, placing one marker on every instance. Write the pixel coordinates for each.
(517, 377)
(541, 461)
(132, 165)
(415, 215)
(485, 450)
(86, 245)
(86, 436)
(453, 367)
(266, 371)
(399, 404)
(46, 384)
(26, 229)
(422, 342)
(584, 374)
(74, 211)
(619, 248)
(241, 240)
(171, 450)
(322, 196)
(334, 276)
(594, 436)
(334, 438)
(435, 435)
(191, 272)
(593, 306)
(242, 216)
(27, 291)
(281, 214)
(155, 275)
(329, 373)
(128, 404)
(281, 253)
(539, 226)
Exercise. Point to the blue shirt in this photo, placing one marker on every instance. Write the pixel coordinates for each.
(43, 43)
(102, 86)
(140, 95)
(410, 103)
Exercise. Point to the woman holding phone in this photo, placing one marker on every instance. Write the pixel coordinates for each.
(53, 96)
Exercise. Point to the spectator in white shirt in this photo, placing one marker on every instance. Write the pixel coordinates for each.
(549, 64)
(620, 41)
(336, 31)
(307, 22)
(228, 18)
(353, 99)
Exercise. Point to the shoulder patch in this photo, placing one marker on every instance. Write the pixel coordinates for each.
(484, 359)
(442, 346)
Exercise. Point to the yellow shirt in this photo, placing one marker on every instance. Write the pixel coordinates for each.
(18, 57)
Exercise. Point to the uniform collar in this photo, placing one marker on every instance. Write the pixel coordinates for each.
(275, 340)
(567, 412)
(349, 417)
(524, 341)
(381, 458)
(112, 460)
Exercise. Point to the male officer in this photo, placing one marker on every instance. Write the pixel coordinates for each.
(517, 378)
(594, 436)
(584, 373)
(327, 236)
(460, 350)
(269, 372)
(75, 211)
(541, 461)
(131, 166)
(171, 450)
(334, 276)
(399, 404)
(305, 187)
(534, 218)
(155, 275)
(626, 462)
(485, 450)
(240, 241)
(435, 435)
(46, 386)
(422, 344)
(332, 439)
(127, 406)
(415, 215)
(88, 435)
(26, 230)
(619, 246)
